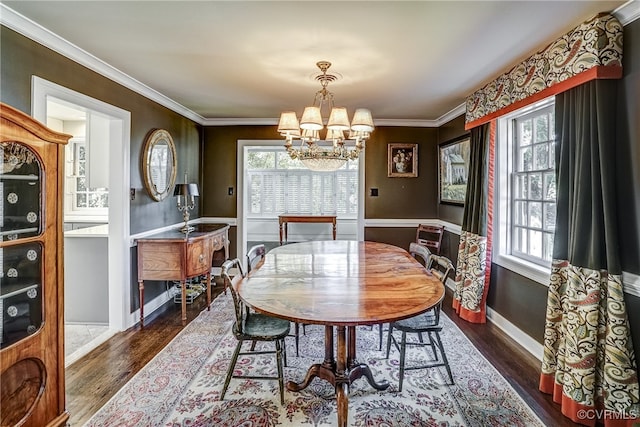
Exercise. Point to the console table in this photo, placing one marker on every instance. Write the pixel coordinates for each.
(285, 219)
(173, 255)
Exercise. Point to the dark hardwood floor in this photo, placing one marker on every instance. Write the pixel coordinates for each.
(92, 380)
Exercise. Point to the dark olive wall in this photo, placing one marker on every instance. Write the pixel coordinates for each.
(22, 58)
(401, 197)
(219, 165)
(518, 299)
(398, 236)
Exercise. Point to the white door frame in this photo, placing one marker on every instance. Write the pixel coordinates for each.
(242, 193)
(119, 183)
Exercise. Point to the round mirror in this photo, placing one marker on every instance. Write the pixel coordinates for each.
(159, 164)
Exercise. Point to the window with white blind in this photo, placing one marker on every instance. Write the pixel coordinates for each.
(278, 184)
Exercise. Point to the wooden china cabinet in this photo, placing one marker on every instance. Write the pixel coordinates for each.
(31, 272)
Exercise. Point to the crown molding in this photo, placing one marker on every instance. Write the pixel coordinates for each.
(237, 121)
(30, 29)
(459, 110)
(447, 117)
(628, 12)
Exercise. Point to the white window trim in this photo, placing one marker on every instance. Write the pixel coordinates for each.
(242, 200)
(502, 200)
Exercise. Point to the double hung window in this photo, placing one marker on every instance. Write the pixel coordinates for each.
(526, 190)
(533, 202)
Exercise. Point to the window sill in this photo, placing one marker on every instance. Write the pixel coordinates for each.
(86, 218)
(524, 268)
(539, 274)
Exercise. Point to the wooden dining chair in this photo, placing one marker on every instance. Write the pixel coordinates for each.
(255, 256)
(430, 236)
(251, 326)
(427, 323)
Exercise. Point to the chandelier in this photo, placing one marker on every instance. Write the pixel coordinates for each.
(343, 140)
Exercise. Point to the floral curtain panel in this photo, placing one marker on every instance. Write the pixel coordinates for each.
(588, 363)
(474, 253)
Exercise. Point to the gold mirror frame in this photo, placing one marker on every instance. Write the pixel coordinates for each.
(158, 164)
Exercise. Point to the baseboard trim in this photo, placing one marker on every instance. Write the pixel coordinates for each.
(532, 346)
(512, 331)
(150, 307)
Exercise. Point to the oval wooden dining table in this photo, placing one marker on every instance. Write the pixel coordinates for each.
(340, 284)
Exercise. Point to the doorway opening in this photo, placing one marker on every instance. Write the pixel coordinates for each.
(96, 212)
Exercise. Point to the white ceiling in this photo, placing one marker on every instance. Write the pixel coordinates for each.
(249, 60)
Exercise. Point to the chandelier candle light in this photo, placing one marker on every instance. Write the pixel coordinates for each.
(307, 130)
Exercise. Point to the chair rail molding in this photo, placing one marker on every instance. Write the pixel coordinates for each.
(412, 222)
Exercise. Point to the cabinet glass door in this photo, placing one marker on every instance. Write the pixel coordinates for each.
(20, 292)
(20, 192)
(20, 263)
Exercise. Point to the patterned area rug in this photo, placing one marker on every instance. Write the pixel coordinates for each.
(181, 385)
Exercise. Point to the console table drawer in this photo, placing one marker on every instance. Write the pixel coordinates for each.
(199, 255)
(160, 260)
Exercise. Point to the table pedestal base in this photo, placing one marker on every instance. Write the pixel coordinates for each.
(341, 372)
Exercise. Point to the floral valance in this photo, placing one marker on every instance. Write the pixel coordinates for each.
(593, 50)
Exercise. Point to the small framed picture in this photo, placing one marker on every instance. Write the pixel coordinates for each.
(454, 167)
(402, 160)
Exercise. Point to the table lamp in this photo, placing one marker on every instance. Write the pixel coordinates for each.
(186, 194)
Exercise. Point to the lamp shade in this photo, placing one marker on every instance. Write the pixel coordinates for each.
(338, 119)
(186, 190)
(288, 124)
(362, 120)
(311, 119)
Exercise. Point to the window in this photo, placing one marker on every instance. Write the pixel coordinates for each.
(526, 190)
(534, 186)
(278, 184)
(83, 198)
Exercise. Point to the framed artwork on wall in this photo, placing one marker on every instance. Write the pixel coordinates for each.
(402, 160)
(453, 165)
